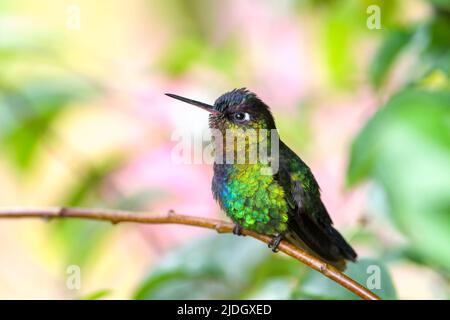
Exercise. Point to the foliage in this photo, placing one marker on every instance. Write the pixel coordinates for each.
(228, 267)
(33, 93)
(28, 111)
(405, 149)
(97, 295)
(428, 41)
(316, 286)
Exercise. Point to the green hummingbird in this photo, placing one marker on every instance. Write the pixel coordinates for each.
(283, 201)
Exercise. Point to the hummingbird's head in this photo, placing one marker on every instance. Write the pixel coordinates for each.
(237, 109)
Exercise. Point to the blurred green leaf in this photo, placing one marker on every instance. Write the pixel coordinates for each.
(338, 35)
(188, 17)
(21, 136)
(391, 47)
(187, 51)
(28, 111)
(436, 35)
(344, 24)
(79, 239)
(181, 55)
(88, 188)
(430, 39)
(368, 272)
(97, 295)
(443, 4)
(405, 149)
(213, 267)
(221, 266)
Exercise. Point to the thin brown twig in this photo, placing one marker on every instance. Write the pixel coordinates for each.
(116, 216)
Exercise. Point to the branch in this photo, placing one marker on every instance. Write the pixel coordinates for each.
(116, 216)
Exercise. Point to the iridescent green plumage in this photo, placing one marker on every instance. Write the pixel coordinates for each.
(253, 200)
(281, 201)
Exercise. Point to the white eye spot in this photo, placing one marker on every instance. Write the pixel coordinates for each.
(241, 116)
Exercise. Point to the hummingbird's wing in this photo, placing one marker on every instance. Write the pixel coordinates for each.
(308, 217)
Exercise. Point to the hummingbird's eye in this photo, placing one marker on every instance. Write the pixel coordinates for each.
(241, 116)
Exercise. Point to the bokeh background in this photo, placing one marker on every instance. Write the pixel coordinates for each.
(84, 122)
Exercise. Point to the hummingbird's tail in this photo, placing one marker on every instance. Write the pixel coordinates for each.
(293, 238)
(324, 242)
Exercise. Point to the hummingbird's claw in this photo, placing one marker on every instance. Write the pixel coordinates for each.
(275, 242)
(237, 230)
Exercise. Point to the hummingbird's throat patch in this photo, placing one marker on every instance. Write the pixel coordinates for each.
(247, 147)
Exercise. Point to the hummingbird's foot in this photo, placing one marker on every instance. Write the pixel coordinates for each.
(237, 230)
(274, 243)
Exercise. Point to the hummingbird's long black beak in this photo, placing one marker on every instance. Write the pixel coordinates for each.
(199, 104)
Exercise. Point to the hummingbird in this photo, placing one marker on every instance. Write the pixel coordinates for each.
(284, 203)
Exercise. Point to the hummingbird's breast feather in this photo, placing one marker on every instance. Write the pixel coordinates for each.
(254, 200)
